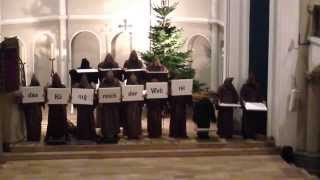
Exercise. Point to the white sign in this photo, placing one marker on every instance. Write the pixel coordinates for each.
(250, 106)
(82, 96)
(157, 90)
(32, 94)
(133, 93)
(228, 105)
(109, 95)
(58, 95)
(181, 87)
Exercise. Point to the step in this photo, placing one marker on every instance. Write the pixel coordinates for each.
(14, 156)
(125, 147)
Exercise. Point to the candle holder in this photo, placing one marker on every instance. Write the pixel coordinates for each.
(52, 66)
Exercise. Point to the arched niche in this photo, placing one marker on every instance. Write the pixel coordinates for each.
(201, 58)
(42, 53)
(85, 44)
(121, 46)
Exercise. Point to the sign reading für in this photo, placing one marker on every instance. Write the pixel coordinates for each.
(58, 95)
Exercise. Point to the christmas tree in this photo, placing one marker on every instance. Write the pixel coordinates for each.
(166, 43)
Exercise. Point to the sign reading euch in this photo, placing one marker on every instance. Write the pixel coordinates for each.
(109, 95)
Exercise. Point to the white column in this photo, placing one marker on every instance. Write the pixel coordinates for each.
(63, 43)
(271, 70)
(214, 46)
(244, 39)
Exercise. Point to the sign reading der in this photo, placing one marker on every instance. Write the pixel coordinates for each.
(157, 90)
(32, 95)
(181, 87)
(109, 95)
(82, 96)
(58, 95)
(132, 93)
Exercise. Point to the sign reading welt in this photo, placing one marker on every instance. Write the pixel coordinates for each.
(157, 90)
(109, 95)
(132, 93)
(181, 87)
(32, 95)
(82, 96)
(58, 95)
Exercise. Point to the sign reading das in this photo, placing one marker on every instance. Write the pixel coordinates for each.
(82, 96)
(32, 94)
(181, 87)
(157, 90)
(58, 95)
(133, 93)
(109, 95)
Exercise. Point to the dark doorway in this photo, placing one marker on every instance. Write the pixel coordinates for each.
(259, 42)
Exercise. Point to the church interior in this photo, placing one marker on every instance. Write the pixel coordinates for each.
(251, 69)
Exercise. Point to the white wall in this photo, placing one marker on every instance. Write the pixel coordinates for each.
(29, 8)
(284, 70)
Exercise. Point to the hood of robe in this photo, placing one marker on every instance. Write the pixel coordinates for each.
(34, 81)
(56, 81)
(85, 64)
(133, 56)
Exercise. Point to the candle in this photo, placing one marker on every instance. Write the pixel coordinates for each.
(52, 51)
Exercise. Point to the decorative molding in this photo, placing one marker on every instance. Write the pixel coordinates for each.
(198, 20)
(30, 20)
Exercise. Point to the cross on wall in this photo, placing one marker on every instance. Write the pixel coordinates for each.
(125, 25)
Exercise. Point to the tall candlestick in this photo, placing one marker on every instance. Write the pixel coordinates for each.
(52, 51)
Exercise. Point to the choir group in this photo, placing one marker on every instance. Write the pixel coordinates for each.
(128, 114)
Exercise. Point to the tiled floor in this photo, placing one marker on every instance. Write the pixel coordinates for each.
(202, 168)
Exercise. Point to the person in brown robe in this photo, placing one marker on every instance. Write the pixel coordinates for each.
(132, 63)
(133, 126)
(203, 116)
(85, 117)
(253, 122)
(178, 116)
(227, 94)
(155, 106)
(108, 63)
(33, 115)
(57, 118)
(110, 117)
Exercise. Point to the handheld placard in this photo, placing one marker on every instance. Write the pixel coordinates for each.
(32, 95)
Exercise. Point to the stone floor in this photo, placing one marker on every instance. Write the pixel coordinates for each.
(187, 168)
(202, 168)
